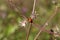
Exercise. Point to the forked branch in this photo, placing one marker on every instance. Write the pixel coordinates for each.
(52, 16)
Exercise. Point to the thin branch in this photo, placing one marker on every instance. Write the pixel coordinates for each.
(34, 7)
(44, 30)
(14, 6)
(53, 14)
(33, 15)
(31, 23)
(28, 31)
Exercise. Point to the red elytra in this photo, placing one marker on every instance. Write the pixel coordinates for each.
(30, 20)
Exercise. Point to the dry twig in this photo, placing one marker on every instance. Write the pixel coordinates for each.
(53, 14)
(33, 10)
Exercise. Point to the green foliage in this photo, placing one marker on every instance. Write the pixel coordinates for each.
(9, 25)
(11, 29)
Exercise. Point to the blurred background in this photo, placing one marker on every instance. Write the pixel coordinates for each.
(12, 25)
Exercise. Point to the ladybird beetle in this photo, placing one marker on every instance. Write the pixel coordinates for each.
(30, 20)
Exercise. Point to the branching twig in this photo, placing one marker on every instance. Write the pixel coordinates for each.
(31, 23)
(44, 30)
(33, 10)
(53, 14)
